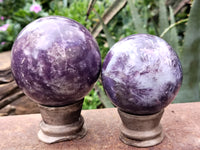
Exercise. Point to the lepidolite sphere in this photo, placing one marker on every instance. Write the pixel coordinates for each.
(55, 60)
(141, 74)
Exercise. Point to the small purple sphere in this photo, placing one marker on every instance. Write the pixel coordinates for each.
(55, 60)
(141, 74)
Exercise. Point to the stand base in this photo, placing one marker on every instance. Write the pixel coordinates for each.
(53, 134)
(141, 131)
(143, 143)
(61, 123)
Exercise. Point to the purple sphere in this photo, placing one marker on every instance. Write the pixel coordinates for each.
(141, 74)
(55, 60)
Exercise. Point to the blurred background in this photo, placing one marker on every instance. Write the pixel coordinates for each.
(176, 21)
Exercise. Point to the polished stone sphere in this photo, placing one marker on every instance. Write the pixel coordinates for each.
(141, 74)
(55, 60)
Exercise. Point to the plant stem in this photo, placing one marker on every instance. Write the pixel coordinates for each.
(173, 25)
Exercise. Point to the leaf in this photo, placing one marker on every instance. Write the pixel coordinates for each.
(137, 21)
(163, 19)
(191, 57)
(116, 6)
(109, 38)
(103, 98)
(173, 33)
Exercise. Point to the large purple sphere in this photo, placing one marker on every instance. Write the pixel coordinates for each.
(141, 74)
(55, 60)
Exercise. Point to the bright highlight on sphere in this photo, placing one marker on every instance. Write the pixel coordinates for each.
(141, 74)
(55, 60)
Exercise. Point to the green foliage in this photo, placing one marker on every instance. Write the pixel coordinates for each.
(173, 33)
(91, 101)
(103, 98)
(163, 19)
(109, 38)
(137, 21)
(25, 16)
(190, 57)
(8, 7)
(17, 14)
(7, 37)
(76, 11)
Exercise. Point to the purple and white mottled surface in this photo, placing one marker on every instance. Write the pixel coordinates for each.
(141, 74)
(55, 60)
